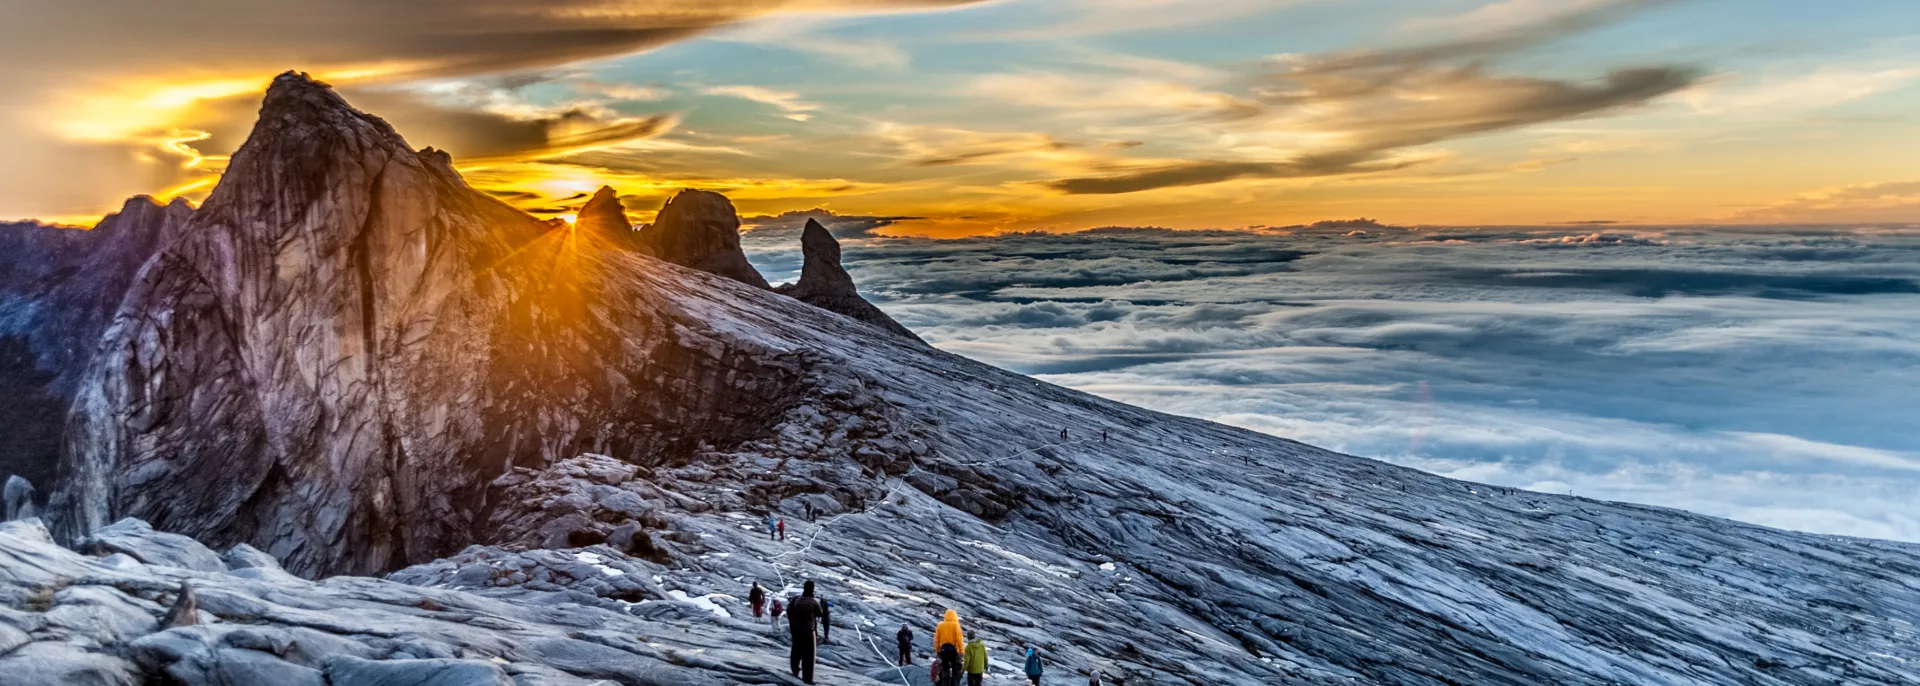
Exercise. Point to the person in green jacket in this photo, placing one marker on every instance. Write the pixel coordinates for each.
(976, 662)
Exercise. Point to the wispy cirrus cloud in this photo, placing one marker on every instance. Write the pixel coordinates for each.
(788, 102)
(1896, 201)
(1372, 107)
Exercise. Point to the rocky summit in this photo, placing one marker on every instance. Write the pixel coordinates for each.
(825, 284)
(356, 423)
(701, 230)
(605, 219)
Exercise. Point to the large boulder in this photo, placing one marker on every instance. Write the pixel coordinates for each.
(700, 229)
(138, 540)
(56, 662)
(825, 284)
(17, 500)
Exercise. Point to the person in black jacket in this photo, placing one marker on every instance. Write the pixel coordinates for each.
(950, 665)
(906, 645)
(757, 598)
(803, 613)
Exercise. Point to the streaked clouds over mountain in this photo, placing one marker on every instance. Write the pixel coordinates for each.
(973, 117)
(1761, 375)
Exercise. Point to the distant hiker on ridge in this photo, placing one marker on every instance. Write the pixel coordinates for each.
(802, 614)
(905, 637)
(1063, 433)
(778, 608)
(770, 528)
(757, 598)
(976, 659)
(783, 528)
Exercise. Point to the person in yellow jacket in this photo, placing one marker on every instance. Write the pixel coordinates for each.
(976, 660)
(946, 648)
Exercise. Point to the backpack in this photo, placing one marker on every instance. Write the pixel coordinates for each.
(935, 678)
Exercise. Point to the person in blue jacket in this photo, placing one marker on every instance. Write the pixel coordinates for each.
(1033, 665)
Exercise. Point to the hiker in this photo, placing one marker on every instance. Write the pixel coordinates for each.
(783, 528)
(906, 645)
(1033, 665)
(946, 644)
(976, 659)
(802, 614)
(1093, 678)
(770, 527)
(938, 672)
(1063, 433)
(949, 665)
(757, 598)
(826, 620)
(777, 609)
(948, 632)
(1103, 439)
(810, 516)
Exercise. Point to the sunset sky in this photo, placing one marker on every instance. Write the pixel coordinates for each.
(973, 117)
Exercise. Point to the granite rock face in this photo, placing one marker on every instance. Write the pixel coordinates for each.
(66, 618)
(825, 284)
(701, 230)
(59, 289)
(363, 343)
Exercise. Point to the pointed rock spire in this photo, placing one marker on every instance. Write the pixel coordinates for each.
(700, 229)
(604, 217)
(825, 284)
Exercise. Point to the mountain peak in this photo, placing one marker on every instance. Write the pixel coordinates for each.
(297, 102)
(700, 229)
(825, 283)
(822, 272)
(604, 217)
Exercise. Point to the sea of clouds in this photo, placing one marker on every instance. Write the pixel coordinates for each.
(1767, 375)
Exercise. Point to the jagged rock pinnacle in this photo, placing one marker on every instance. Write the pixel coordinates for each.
(604, 217)
(825, 284)
(821, 272)
(700, 229)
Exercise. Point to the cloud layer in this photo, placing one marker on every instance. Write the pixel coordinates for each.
(1755, 375)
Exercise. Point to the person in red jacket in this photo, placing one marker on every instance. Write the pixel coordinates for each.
(783, 528)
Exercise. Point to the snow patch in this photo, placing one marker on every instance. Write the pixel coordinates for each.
(704, 602)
